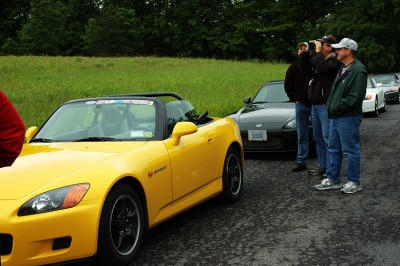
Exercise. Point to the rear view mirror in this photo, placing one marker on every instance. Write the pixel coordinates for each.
(182, 129)
(247, 99)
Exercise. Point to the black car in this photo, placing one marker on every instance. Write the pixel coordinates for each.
(268, 122)
(390, 83)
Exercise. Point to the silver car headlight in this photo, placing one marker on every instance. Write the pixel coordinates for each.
(291, 124)
(53, 200)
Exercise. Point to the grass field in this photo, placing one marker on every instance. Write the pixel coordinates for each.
(38, 85)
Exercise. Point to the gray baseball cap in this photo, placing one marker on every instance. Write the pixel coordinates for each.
(346, 43)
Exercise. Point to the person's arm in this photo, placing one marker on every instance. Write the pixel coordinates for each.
(290, 84)
(304, 63)
(323, 66)
(12, 132)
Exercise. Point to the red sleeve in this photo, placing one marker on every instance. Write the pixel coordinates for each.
(12, 132)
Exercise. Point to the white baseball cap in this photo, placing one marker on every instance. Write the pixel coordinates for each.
(346, 43)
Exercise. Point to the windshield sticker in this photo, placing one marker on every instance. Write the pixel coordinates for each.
(144, 102)
(141, 134)
(137, 133)
(105, 101)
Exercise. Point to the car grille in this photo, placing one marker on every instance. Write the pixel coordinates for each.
(6, 242)
(391, 96)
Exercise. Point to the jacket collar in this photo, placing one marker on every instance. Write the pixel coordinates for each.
(339, 76)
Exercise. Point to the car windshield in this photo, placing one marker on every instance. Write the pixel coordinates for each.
(101, 120)
(271, 93)
(385, 79)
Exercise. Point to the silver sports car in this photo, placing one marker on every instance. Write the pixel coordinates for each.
(390, 84)
(268, 122)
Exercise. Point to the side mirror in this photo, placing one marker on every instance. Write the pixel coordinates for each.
(182, 129)
(30, 132)
(247, 99)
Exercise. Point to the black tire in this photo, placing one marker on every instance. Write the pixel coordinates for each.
(376, 111)
(121, 227)
(384, 107)
(232, 176)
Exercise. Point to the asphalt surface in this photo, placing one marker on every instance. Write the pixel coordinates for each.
(282, 220)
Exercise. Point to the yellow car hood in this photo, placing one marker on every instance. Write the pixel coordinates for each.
(41, 164)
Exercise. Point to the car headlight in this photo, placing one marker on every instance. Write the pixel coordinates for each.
(57, 199)
(290, 124)
(368, 97)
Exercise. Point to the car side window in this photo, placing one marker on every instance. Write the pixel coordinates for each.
(175, 114)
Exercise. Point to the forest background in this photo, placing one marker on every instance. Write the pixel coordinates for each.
(257, 30)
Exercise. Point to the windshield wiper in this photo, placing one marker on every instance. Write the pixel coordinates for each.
(41, 140)
(259, 102)
(98, 139)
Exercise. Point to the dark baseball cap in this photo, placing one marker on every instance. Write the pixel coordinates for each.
(328, 39)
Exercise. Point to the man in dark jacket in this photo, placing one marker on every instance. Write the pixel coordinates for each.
(325, 67)
(296, 84)
(345, 111)
(12, 132)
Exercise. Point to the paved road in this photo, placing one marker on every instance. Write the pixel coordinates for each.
(281, 219)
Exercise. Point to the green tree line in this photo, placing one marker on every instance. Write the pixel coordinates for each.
(266, 30)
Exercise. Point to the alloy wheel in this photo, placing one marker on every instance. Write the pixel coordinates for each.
(234, 174)
(125, 224)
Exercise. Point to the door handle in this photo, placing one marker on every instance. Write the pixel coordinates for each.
(211, 137)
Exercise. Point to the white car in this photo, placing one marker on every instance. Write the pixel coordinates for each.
(374, 98)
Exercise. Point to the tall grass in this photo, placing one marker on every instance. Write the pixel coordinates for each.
(38, 85)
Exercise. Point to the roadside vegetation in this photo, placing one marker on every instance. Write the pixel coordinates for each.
(38, 85)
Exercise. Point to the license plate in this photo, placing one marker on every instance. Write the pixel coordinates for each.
(257, 135)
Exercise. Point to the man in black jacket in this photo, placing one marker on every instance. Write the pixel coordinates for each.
(296, 84)
(325, 67)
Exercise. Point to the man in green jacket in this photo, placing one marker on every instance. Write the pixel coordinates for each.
(345, 111)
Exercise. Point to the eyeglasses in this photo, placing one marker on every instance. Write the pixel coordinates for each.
(302, 48)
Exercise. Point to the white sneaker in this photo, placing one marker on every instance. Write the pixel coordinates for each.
(328, 183)
(351, 187)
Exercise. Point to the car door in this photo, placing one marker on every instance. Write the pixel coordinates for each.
(379, 93)
(192, 161)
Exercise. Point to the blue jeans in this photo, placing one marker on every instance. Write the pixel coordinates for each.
(320, 126)
(344, 138)
(302, 125)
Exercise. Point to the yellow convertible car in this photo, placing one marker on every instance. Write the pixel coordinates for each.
(101, 171)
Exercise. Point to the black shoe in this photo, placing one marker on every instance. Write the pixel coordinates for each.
(299, 167)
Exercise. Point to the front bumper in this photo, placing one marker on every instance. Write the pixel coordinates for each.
(43, 238)
(392, 97)
(277, 141)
